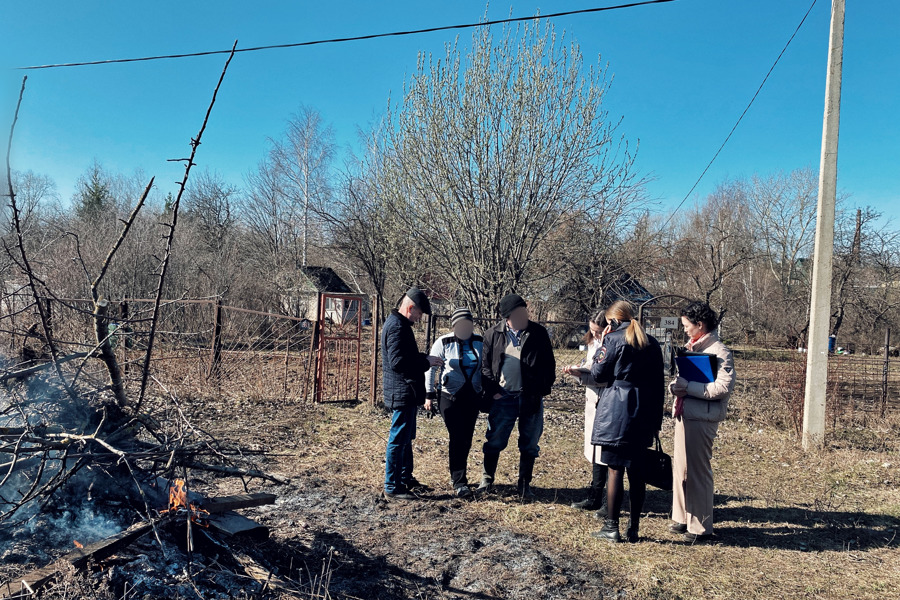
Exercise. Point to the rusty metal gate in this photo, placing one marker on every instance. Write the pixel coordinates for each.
(339, 347)
(660, 318)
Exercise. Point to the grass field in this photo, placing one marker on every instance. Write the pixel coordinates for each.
(823, 524)
(789, 523)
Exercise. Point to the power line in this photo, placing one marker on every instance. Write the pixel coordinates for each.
(741, 118)
(371, 36)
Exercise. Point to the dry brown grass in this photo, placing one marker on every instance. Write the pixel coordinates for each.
(790, 524)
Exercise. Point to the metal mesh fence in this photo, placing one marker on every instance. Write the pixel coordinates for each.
(200, 345)
(205, 347)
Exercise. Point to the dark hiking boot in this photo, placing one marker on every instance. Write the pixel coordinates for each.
(526, 472)
(523, 489)
(609, 531)
(417, 487)
(463, 491)
(596, 499)
(693, 538)
(679, 528)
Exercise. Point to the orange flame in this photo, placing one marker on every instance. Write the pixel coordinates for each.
(178, 500)
(178, 497)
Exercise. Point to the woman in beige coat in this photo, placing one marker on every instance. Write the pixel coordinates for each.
(582, 372)
(699, 408)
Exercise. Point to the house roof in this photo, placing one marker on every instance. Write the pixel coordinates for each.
(324, 279)
(631, 289)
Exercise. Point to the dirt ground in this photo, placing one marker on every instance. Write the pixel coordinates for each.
(789, 524)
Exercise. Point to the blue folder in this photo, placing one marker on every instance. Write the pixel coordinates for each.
(697, 366)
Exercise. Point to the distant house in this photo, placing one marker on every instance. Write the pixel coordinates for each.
(303, 299)
(575, 300)
(627, 288)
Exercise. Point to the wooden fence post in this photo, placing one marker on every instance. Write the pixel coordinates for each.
(886, 371)
(376, 343)
(216, 346)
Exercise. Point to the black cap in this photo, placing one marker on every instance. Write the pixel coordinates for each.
(420, 299)
(509, 303)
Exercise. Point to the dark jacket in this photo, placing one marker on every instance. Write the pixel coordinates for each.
(630, 409)
(538, 363)
(403, 366)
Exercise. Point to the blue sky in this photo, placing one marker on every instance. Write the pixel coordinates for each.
(684, 71)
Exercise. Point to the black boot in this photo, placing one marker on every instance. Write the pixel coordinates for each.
(526, 472)
(631, 534)
(487, 476)
(609, 531)
(595, 498)
(637, 493)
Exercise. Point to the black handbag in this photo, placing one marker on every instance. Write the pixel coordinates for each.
(656, 467)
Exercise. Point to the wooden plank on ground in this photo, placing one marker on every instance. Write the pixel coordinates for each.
(226, 503)
(230, 523)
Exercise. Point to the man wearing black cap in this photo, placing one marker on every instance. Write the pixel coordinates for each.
(517, 370)
(403, 368)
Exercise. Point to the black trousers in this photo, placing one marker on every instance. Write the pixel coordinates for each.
(460, 413)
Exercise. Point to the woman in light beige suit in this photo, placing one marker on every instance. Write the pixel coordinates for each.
(699, 408)
(593, 339)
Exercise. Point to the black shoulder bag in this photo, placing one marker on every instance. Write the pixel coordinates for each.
(656, 467)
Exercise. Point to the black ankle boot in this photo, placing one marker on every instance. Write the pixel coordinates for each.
(594, 501)
(596, 498)
(631, 534)
(526, 472)
(609, 531)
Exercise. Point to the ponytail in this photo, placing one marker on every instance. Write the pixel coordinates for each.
(634, 334)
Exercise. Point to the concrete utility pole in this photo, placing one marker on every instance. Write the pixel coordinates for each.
(820, 301)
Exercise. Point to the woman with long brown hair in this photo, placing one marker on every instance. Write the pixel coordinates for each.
(629, 412)
(593, 339)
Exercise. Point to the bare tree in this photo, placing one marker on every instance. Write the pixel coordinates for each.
(491, 152)
(363, 229)
(783, 210)
(209, 206)
(302, 162)
(34, 192)
(864, 274)
(711, 243)
(211, 236)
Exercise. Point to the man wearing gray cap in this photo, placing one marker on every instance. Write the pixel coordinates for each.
(403, 368)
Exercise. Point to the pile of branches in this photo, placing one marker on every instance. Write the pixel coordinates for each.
(106, 423)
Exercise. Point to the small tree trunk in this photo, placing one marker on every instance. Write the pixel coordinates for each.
(102, 335)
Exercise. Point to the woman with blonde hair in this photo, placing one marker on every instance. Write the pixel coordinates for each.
(629, 412)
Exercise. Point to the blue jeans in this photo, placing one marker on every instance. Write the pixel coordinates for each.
(502, 419)
(398, 461)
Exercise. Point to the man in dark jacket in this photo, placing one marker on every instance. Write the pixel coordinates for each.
(517, 370)
(403, 368)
